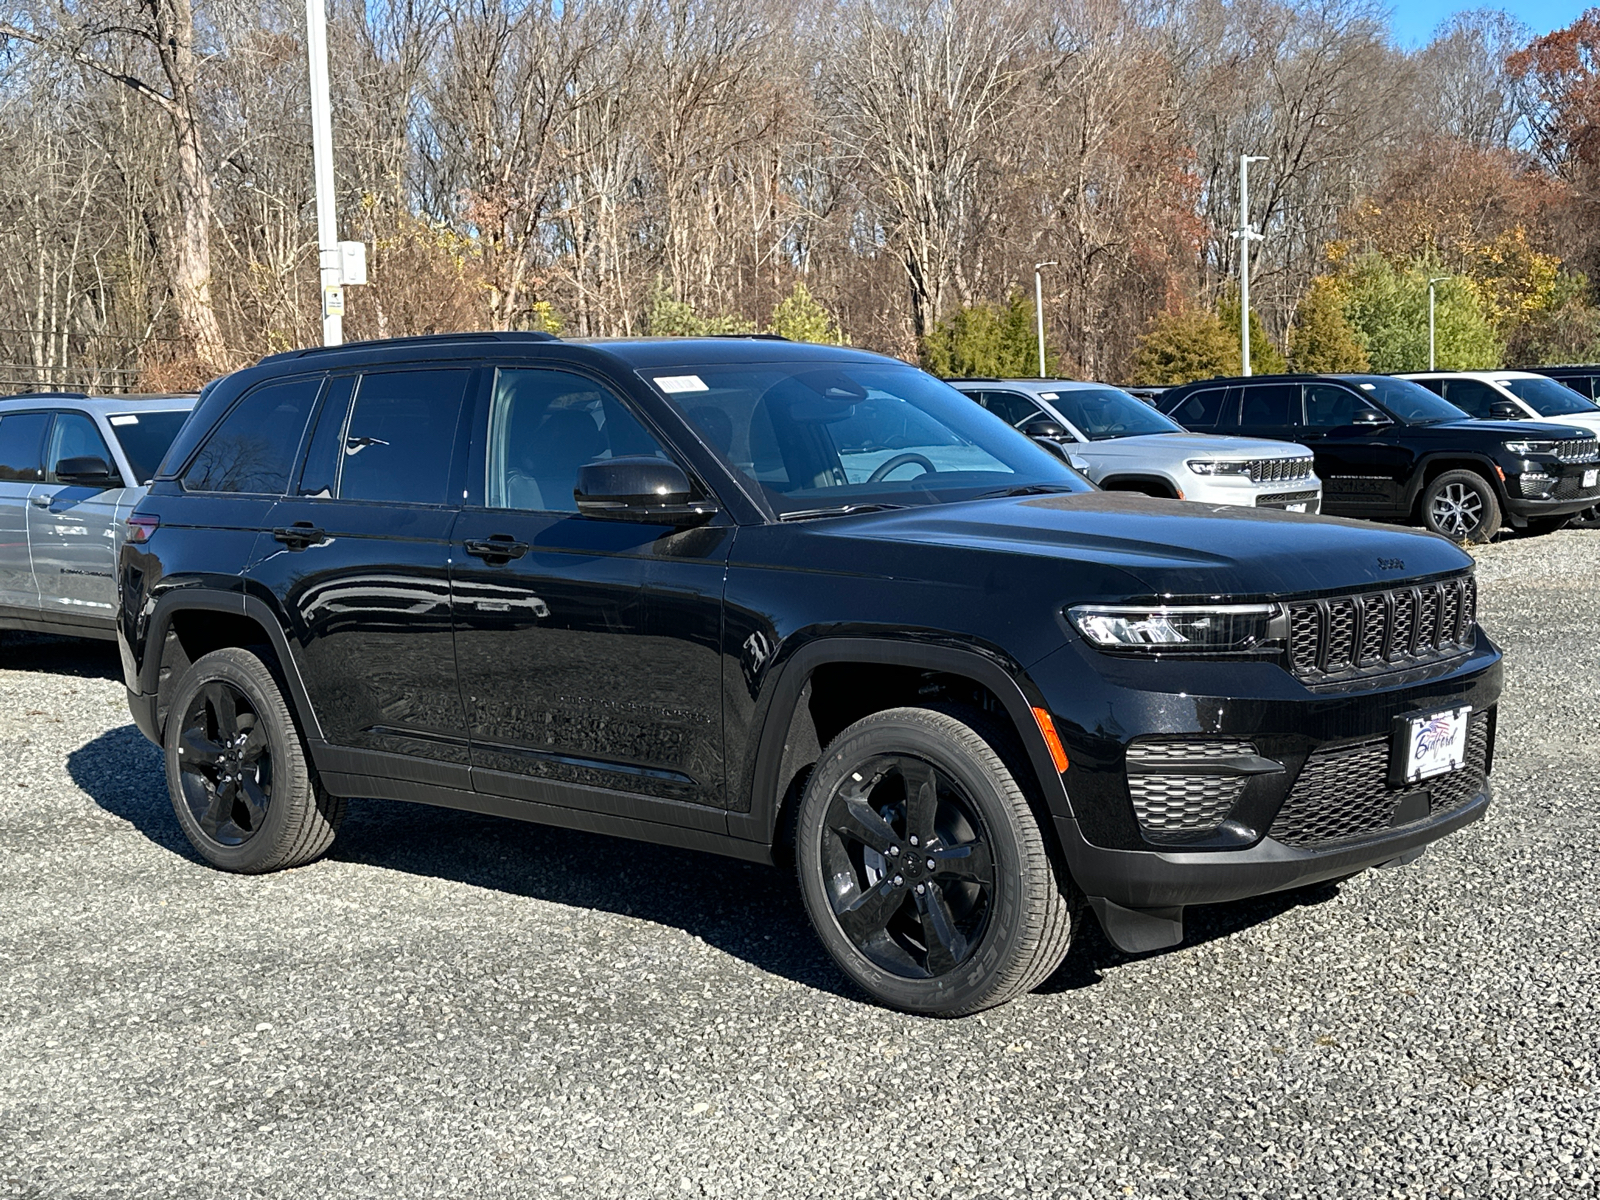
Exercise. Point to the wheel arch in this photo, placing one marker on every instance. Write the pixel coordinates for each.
(1126, 481)
(1434, 465)
(793, 737)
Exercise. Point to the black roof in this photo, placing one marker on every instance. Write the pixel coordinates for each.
(1286, 377)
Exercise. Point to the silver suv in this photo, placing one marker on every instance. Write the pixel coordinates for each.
(71, 469)
(1123, 444)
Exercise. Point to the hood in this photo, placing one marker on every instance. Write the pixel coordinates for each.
(1587, 422)
(1168, 446)
(1167, 547)
(1507, 429)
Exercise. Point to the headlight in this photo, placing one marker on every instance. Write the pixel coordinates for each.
(1201, 629)
(1531, 447)
(1206, 466)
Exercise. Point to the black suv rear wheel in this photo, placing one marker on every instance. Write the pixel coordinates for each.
(246, 795)
(923, 868)
(1462, 506)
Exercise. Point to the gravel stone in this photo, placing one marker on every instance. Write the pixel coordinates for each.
(454, 1005)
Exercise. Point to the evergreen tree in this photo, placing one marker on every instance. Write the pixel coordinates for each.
(801, 318)
(1322, 338)
(1388, 308)
(988, 340)
(1265, 357)
(1183, 347)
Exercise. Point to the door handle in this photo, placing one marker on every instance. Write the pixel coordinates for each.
(499, 548)
(42, 501)
(300, 535)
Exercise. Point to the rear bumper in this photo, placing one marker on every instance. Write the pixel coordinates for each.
(1140, 894)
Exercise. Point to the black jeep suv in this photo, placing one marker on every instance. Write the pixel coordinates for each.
(770, 600)
(1390, 449)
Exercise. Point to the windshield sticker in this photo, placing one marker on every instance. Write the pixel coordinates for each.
(1370, 387)
(1049, 395)
(681, 383)
(125, 419)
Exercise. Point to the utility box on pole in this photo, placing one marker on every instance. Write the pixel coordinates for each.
(352, 263)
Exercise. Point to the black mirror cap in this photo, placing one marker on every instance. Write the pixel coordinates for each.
(1505, 410)
(1044, 427)
(87, 470)
(639, 488)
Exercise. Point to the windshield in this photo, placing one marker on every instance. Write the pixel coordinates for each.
(820, 435)
(1104, 413)
(1409, 402)
(145, 437)
(1547, 397)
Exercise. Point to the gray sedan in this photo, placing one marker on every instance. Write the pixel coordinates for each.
(71, 469)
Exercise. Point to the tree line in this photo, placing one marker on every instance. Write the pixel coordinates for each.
(882, 172)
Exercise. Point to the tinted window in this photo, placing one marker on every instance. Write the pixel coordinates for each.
(1009, 406)
(74, 435)
(544, 425)
(1101, 414)
(145, 438)
(402, 436)
(818, 435)
(1329, 406)
(320, 475)
(1275, 404)
(1547, 397)
(1471, 396)
(1411, 403)
(21, 440)
(254, 446)
(1201, 410)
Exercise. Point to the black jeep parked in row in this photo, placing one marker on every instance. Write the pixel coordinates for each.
(787, 603)
(1390, 449)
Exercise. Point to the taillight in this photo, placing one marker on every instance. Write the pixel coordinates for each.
(141, 526)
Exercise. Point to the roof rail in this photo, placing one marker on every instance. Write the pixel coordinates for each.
(425, 339)
(39, 395)
(759, 337)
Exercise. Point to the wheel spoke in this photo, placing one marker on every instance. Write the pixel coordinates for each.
(219, 812)
(224, 709)
(856, 820)
(947, 946)
(196, 750)
(968, 862)
(922, 798)
(255, 742)
(866, 916)
(255, 801)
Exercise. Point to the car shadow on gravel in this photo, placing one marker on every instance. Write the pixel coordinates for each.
(746, 910)
(46, 654)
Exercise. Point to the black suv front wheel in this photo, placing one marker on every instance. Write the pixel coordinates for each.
(1462, 506)
(244, 791)
(924, 869)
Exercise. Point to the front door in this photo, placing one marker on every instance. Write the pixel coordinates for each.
(588, 649)
(73, 529)
(21, 469)
(1362, 467)
(358, 557)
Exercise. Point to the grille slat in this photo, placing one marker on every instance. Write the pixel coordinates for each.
(1380, 631)
(1278, 470)
(1578, 450)
(1344, 793)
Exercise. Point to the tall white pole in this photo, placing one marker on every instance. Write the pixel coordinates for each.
(1245, 236)
(1431, 282)
(322, 159)
(1038, 309)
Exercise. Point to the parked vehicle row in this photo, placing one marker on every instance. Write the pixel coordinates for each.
(804, 604)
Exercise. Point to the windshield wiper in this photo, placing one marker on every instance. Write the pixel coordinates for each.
(839, 510)
(1027, 489)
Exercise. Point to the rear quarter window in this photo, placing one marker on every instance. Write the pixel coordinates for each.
(253, 448)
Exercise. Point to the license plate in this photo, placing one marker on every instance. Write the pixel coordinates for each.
(1432, 744)
(1298, 507)
(1590, 478)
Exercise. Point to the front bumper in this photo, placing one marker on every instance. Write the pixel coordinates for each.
(1551, 489)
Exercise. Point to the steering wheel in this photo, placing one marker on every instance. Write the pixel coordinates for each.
(898, 461)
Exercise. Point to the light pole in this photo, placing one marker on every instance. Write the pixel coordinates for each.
(1246, 235)
(1431, 282)
(322, 161)
(1038, 307)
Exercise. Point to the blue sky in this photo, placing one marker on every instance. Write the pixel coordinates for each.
(1415, 20)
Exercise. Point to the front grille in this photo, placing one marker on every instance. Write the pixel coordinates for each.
(1173, 808)
(1578, 450)
(1344, 793)
(1278, 470)
(1570, 487)
(1381, 631)
(1280, 499)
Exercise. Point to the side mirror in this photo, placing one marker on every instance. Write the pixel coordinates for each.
(1044, 427)
(649, 490)
(1370, 416)
(88, 470)
(1505, 410)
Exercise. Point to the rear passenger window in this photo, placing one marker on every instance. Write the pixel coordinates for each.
(75, 436)
(1201, 410)
(1275, 404)
(545, 424)
(254, 447)
(21, 440)
(402, 436)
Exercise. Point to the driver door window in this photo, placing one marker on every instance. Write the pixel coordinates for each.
(1330, 407)
(1010, 407)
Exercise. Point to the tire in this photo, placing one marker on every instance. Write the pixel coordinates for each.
(994, 918)
(242, 786)
(1462, 506)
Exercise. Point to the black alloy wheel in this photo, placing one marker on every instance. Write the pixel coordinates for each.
(225, 764)
(910, 874)
(923, 867)
(242, 786)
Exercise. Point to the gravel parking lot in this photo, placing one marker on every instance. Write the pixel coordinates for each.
(456, 1005)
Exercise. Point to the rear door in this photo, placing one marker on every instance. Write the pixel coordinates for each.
(72, 529)
(1270, 410)
(358, 558)
(21, 469)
